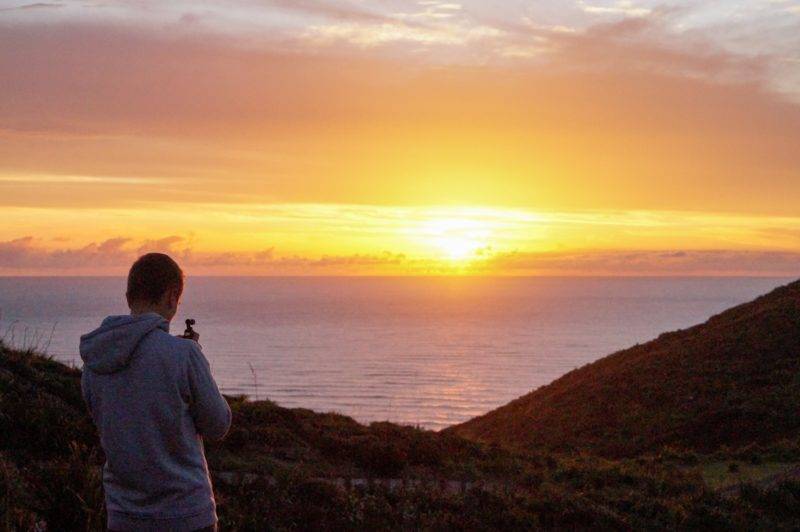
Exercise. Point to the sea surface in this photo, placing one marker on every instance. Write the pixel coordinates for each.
(430, 351)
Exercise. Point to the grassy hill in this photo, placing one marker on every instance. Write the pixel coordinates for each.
(294, 469)
(730, 382)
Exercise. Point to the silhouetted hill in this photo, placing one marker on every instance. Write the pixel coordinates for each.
(732, 381)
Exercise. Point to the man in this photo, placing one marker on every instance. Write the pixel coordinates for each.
(153, 400)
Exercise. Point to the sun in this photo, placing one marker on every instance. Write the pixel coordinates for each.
(459, 248)
(457, 239)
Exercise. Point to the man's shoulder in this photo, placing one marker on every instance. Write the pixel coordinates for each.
(164, 342)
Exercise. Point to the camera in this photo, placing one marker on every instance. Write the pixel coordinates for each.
(189, 332)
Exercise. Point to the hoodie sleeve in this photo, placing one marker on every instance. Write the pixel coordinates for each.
(85, 391)
(210, 411)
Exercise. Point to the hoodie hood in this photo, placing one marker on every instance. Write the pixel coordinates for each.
(110, 347)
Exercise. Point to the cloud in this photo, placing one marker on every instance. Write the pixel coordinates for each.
(167, 244)
(23, 253)
(623, 114)
(333, 10)
(647, 44)
(35, 6)
(397, 32)
(78, 179)
(785, 233)
(649, 262)
(28, 255)
(620, 7)
(113, 80)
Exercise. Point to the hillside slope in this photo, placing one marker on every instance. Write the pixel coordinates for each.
(732, 381)
(50, 474)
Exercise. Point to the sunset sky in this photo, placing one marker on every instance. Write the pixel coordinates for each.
(331, 137)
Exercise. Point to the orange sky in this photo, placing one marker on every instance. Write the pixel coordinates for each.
(312, 137)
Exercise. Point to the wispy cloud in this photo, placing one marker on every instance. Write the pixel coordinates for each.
(330, 9)
(81, 180)
(34, 6)
(620, 7)
(27, 255)
(451, 33)
(649, 262)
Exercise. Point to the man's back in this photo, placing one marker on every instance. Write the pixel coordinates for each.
(152, 397)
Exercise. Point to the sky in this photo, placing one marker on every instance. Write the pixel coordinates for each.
(385, 137)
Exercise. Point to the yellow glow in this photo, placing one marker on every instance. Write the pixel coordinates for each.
(347, 239)
(458, 239)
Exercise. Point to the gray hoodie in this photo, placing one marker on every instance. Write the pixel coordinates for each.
(152, 398)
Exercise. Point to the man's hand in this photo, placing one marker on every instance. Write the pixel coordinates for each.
(193, 336)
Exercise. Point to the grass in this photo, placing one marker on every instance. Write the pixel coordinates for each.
(50, 473)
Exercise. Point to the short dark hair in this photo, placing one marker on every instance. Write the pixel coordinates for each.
(151, 276)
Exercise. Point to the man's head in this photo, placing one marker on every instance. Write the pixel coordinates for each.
(155, 284)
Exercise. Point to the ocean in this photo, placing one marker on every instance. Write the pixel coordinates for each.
(427, 351)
